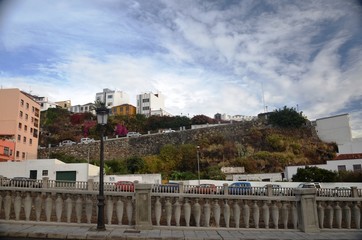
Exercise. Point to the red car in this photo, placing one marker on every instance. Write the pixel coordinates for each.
(124, 186)
(204, 189)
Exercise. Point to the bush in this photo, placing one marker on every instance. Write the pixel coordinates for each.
(287, 118)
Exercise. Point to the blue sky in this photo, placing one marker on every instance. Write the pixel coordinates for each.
(206, 57)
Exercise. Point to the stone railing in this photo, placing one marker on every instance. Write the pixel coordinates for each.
(152, 206)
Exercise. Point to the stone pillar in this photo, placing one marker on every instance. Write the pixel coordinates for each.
(307, 209)
(143, 206)
(90, 185)
(45, 182)
(225, 188)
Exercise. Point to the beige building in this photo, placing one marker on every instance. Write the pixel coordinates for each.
(19, 123)
(64, 104)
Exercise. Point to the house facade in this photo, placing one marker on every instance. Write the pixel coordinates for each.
(19, 125)
(151, 104)
(112, 98)
(89, 107)
(124, 110)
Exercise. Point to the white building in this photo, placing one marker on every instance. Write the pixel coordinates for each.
(151, 104)
(45, 104)
(344, 162)
(237, 118)
(337, 129)
(54, 169)
(89, 107)
(112, 98)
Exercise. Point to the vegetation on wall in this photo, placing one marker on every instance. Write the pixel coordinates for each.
(287, 118)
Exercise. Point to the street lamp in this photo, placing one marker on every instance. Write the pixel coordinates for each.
(198, 162)
(102, 117)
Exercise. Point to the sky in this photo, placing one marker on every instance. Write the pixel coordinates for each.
(238, 57)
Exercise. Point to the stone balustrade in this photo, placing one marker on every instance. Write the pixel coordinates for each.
(148, 208)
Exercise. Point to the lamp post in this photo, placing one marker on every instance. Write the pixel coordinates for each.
(198, 162)
(102, 117)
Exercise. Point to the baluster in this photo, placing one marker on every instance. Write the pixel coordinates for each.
(338, 212)
(17, 206)
(28, 202)
(69, 207)
(120, 207)
(78, 208)
(196, 209)
(285, 214)
(88, 208)
(48, 207)
(236, 210)
(256, 214)
(38, 206)
(294, 216)
(227, 214)
(217, 212)
(109, 207)
(320, 215)
(168, 209)
(129, 210)
(329, 215)
(347, 215)
(59, 208)
(7, 205)
(187, 212)
(207, 213)
(158, 211)
(1, 201)
(177, 206)
(275, 215)
(356, 215)
(246, 214)
(266, 216)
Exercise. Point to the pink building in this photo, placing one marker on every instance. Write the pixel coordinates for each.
(19, 125)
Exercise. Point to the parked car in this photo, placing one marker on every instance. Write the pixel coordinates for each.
(24, 182)
(342, 192)
(133, 134)
(309, 185)
(4, 181)
(204, 188)
(276, 189)
(240, 188)
(168, 131)
(86, 140)
(124, 186)
(67, 143)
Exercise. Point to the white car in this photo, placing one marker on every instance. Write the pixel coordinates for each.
(133, 134)
(86, 140)
(67, 143)
(168, 131)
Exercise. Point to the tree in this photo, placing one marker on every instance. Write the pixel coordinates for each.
(135, 165)
(287, 118)
(314, 174)
(202, 119)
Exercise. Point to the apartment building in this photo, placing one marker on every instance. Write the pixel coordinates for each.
(112, 98)
(151, 104)
(66, 104)
(89, 107)
(124, 110)
(19, 125)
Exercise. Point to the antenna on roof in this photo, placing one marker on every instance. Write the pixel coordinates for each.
(262, 90)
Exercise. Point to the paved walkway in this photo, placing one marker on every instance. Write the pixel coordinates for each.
(23, 230)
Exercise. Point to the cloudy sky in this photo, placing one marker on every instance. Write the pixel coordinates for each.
(206, 57)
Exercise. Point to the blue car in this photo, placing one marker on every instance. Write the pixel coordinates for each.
(240, 188)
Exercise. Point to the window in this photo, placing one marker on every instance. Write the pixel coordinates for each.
(23, 155)
(146, 108)
(24, 139)
(19, 138)
(21, 102)
(6, 151)
(25, 128)
(110, 96)
(26, 116)
(341, 168)
(31, 130)
(356, 167)
(146, 100)
(33, 109)
(27, 105)
(21, 114)
(30, 141)
(19, 125)
(32, 119)
(17, 153)
(45, 173)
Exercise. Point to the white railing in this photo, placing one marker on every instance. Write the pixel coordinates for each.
(177, 206)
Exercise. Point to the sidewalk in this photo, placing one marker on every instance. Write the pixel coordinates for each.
(12, 229)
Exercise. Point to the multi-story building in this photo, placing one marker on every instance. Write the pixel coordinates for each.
(89, 107)
(151, 104)
(124, 110)
(66, 104)
(112, 98)
(45, 104)
(19, 125)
